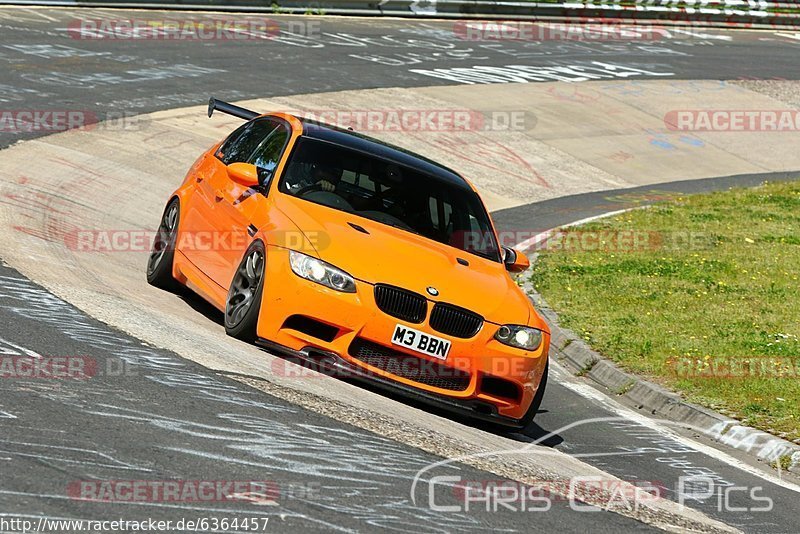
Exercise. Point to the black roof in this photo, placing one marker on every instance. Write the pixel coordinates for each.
(369, 145)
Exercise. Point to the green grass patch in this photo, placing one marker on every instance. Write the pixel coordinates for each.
(784, 463)
(707, 303)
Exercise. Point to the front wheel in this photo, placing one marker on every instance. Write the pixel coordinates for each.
(159, 264)
(244, 296)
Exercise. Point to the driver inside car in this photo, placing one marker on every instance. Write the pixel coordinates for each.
(304, 176)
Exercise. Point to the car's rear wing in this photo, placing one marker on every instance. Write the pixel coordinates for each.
(230, 109)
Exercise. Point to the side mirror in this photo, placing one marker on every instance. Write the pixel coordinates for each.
(515, 261)
(245, 174)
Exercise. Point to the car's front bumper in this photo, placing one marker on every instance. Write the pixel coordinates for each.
(332, 364)
(355, 317)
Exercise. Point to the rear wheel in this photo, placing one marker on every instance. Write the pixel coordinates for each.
(244, 296)
(159, 264)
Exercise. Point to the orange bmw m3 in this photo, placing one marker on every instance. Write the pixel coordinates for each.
(359, 258)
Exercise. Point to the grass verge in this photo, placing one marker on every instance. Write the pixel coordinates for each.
(700, 293)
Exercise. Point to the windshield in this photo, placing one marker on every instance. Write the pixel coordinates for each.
(385, 192)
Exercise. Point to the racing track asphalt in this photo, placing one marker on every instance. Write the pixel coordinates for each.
(46, 69)
(147, 414)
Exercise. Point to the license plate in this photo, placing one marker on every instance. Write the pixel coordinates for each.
(420, 342)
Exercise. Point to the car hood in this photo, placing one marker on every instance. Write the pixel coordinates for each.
(379, 253)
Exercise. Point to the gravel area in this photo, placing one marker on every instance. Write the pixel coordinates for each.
(787, 91)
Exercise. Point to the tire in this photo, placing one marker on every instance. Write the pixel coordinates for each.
(159, 263)
(527, 419)
(244, 296)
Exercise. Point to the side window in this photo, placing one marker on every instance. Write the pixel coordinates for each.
(267, 155)
(243, 142)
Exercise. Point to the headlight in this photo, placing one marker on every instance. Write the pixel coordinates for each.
(321, 272)
(522, 337)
